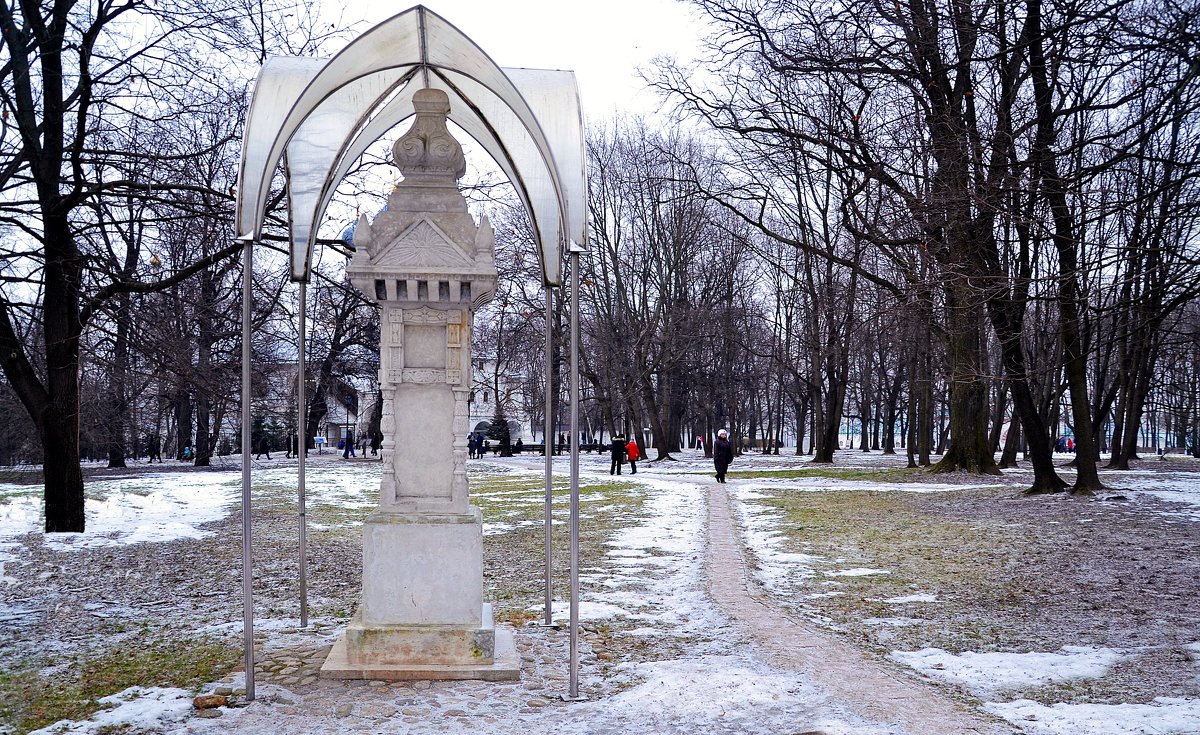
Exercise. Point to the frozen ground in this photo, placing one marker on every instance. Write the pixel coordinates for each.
(682, 665)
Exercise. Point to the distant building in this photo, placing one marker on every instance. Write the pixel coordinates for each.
(482, 402)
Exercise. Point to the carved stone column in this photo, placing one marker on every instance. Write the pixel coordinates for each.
(429, 267)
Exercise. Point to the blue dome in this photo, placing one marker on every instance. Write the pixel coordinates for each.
(347, 235)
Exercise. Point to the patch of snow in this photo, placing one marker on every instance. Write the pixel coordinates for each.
(1180, 488)
(986, 674)
(892, 622)
(856, 572)
(777, 570)
(921, 597)
(1193, 652)
(713, 693)
(1172, 715)
(135, 708)
(561, 610)
(145, 508)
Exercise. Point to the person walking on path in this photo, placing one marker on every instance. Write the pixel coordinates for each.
(348, 452)
(722, 454)
(618, 455)
(264, 447)
(154, 449)
(634, 454)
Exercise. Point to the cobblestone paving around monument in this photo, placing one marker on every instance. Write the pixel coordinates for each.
(291, 698)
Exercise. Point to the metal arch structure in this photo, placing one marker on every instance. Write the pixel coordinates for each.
(320, 116)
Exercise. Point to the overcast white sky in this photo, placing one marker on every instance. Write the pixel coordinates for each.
(602, 41)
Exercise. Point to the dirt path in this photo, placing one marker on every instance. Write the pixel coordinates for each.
(859, 683)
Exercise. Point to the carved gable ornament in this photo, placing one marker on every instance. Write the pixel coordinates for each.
(423, 245)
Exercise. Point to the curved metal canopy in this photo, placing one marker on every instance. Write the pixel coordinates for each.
(321, 115)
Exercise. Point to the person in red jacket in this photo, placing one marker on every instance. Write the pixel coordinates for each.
(632, 452)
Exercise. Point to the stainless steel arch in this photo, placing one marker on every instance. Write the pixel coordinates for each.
(346, 104)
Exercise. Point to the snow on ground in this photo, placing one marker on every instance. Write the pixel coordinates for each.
(906, 599)
(134, 709)
(142, 508)
(778, 570)
(1167, 715)
(653, 576)
(856, 572)
(988, 674)
(1172, 487)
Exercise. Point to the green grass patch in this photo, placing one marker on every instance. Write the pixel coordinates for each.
(30, 698)
(513, 560)
(21, 477)
(893, 474)
(922, 551)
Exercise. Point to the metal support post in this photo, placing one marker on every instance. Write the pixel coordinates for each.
(548, 453)
(247, 574)
(302, 449)
(573, 691)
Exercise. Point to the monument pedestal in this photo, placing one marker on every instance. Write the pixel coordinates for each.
(422, 614)
(405, 653)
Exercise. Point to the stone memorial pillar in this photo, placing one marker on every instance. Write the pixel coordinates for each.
(429, 267)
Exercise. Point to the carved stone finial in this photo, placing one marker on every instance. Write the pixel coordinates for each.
(428, 150)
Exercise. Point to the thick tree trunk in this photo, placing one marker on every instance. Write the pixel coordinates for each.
(203, 448)
(1008, 458)
(61, 470)
(865, 407)
(969, 450)
(829, 421)
(182, 405)
(59, 425)
(657, 428)
(1087, 478)
(801, 422)
(889, 428)
(1007, 318)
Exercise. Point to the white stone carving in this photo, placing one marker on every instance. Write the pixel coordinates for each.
(424, 245)
(422, 376)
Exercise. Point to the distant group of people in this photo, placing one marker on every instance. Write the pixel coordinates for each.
(477, 445)
(352, 447)
(623, 450)
(1065, 445)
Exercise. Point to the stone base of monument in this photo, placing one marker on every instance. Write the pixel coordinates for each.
(408, 652)
(422, 614)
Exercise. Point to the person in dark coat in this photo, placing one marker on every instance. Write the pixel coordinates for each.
(618, 455)
(264, 447)
(722, 454)
(348, 452)
(154, 448)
